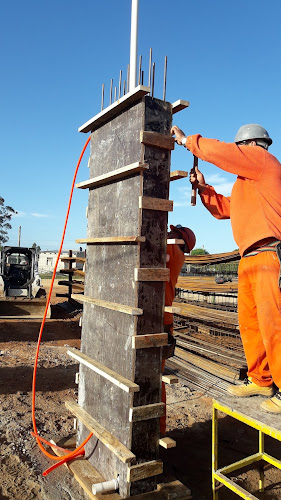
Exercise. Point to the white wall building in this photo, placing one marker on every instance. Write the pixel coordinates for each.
(47, 260)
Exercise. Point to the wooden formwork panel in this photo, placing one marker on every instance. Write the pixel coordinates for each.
(113, 211)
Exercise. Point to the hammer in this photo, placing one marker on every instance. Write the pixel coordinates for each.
(194, 188)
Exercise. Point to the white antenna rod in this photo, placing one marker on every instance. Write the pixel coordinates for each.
(134, 44)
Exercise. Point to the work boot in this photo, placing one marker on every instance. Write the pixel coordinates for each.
(249, 388)
(273, 405)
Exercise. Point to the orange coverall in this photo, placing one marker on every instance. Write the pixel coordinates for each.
(254, 208)
(175, 261)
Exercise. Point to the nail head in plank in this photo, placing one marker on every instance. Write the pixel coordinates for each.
(178, 174)
(148, 203)
(167, 442)
(142, 471)
(114, 109)
(151, 274)
(122, 382)
(170, 379)
(133, 311)
(157, 140)
(172, 309)
(149, 340)
(179, 105)
(114, 175)
(175, 241)
(146, 412)
(112, 239)
(110, 441)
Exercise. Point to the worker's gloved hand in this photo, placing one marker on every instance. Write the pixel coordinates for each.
(197, 179)
(178, 133)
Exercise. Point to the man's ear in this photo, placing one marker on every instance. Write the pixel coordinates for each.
(253, 143)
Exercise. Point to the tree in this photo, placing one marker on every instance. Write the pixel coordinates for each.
(6, 213)
(199, 251)
(37, 247)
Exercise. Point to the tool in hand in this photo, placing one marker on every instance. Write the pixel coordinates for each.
(194, 186)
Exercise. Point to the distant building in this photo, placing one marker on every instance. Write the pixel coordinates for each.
(47, 260)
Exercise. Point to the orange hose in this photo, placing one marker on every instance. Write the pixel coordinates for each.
(71, 455)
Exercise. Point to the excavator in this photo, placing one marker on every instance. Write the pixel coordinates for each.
(23, 295)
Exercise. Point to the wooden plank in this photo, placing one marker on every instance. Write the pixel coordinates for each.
(146, 412)
(148, 203)
(133, 311)
(113, 444)
(178, 174)
(114, 175)
(172, 309)
(112, 239)
(175, 241)
(73, 259)
(79, 271)
(179, 105)
(114, 109)
(122, 382)
(157, 140)
(151, 274)
(167, 442)
(170, 379)
(86, 475)
(142, 471)
(149, 340)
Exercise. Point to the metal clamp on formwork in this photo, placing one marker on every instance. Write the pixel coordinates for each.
(249, 414)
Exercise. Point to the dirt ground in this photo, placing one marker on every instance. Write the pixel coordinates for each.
(188, 420)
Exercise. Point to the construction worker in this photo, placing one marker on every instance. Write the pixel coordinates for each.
(175, 261)
(254, 208)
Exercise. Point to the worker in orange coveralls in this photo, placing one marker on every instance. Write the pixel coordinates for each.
(254, 208)
(175, 261)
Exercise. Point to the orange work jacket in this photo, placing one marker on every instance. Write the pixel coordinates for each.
(175, 263)
(254, 206)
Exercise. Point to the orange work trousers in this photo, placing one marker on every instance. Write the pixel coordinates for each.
(259, 314)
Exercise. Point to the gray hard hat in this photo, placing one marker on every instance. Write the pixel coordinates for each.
(252, 131)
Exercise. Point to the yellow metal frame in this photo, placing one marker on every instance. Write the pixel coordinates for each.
(218, 475)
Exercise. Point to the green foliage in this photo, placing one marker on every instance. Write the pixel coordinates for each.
(37, 247)
(199, 251)
(6, 213)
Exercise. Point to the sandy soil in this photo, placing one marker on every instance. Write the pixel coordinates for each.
(188, 417)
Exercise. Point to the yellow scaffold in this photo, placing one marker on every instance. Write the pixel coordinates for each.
(263, 426)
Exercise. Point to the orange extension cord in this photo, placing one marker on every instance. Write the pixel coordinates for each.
(80, 449)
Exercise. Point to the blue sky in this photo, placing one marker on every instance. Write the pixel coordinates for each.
(223, 57)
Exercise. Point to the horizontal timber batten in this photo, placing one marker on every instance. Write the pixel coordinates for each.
(179, 105)
(111, 442)
(170, 379)
(148, 203)
(114, 175)
(142, 471)
(178, 174)
(151, 274)
(175, 241)
(172, 309)
(157, 140)
(133, 311)
(147, 412)
(124, 384)
(167, 442)
(114, 109)
(112, 239)
(149, 340)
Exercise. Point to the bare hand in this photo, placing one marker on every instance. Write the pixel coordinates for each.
(197, 178)
(178, 133)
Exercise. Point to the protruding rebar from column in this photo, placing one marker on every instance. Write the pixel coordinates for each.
(110, 95)
(153, 78)
(165, 79)
(128, 77)
(149, 68)
(120, 84)
(139, 79)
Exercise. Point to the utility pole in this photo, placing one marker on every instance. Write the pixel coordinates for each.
(19, 236)
(134, 44)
